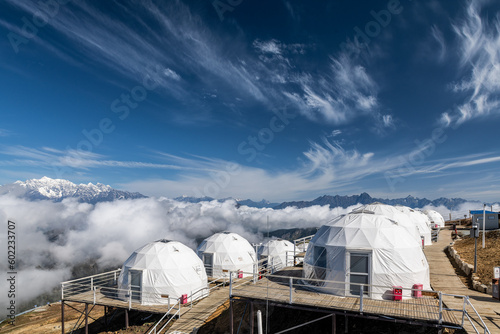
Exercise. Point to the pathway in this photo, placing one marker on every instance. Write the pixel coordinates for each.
(444, 279)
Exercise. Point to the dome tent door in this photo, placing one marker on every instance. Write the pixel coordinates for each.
(358, 272)
(208, 262)
(136, 284)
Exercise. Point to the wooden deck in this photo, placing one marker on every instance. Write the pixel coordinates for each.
(201, 312)
(106, 300)
(424, 309)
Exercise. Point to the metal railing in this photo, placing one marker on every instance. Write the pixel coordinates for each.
(154, 330)
(466, 314)
(435, 234)
(300, 245)
(299, 291)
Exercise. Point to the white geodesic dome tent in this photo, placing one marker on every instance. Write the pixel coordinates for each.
(365, 248)
(224, 252)
(161, 270)
(391, 212)
(437, 221)
(420, 220)
(278, 252)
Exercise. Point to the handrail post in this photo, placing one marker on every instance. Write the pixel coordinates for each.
(92, 283)
(440, 308)
(361, 293)
(290, 283)
(230, 284)
(129, 298)
(94, 294)
(463, 310)
(62, 291)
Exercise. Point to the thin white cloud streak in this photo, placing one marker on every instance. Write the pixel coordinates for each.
(270, 75)
(338, 96)
(50, 157)
(479, 47)
(439, 38)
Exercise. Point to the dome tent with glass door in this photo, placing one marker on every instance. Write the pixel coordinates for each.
(420, 220)
(161, 270)
(437, 221)
(392, 213)
(369, 249)
(224, 252)
(278, 252)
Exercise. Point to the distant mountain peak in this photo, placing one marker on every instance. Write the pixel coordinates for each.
(56, 190)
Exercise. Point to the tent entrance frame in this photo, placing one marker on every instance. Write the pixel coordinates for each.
(135, 284)
(363, 277)
(208, 263)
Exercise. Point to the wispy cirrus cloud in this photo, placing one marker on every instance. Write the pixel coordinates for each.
(479, 46)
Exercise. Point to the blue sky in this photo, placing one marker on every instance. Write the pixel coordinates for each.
(280, 100)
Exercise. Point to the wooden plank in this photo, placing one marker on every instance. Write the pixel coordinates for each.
(423, 309)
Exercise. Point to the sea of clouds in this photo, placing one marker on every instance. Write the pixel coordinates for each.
(51, 238)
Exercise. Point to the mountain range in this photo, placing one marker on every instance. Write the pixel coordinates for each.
(364, 198)
(58, 189)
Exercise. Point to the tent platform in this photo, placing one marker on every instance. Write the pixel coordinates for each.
(102, 299)
(276, 289)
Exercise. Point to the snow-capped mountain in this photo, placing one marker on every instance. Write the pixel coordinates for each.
(58, 189)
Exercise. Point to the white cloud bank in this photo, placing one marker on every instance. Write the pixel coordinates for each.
(54, 237)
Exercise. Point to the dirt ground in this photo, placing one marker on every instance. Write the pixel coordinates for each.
(487, 258)
(47, 319)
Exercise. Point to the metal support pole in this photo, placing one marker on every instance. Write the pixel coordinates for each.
(334, 324)
(475, 254)
(230, 284)
(484, 222)
(94, 294)
(126, 319)
(231, 324)
(92, 283)
(62, 316)
(290, 283)
(361, 299)
(440, 308)
(346, 329)
(251, 320)
(86, 318)
(259, 322)
(106, 317)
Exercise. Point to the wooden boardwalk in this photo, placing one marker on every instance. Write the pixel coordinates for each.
(424, 309)
(201, 312)
(443, 278)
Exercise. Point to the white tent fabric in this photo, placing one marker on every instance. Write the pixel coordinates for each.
(391, 212)
(435, 217)
(281, 252)
(226, 251)
(420, 220)
(160, 269)
(392, 257)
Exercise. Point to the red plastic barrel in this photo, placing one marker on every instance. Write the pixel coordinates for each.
(184, 299)
(240, 274)
(417, 290)
(397, 293)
